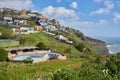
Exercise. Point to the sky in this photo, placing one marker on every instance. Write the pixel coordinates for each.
(95, 18)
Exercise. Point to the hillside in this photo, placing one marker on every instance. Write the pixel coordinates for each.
(30, 30)
(97, 48)
(28, 19)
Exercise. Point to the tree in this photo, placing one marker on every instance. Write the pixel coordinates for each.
(41, 46)
(80, 47)
(3, 55)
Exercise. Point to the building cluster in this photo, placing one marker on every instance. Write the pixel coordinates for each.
(19, 20)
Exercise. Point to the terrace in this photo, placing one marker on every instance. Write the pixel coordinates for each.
(21, 53)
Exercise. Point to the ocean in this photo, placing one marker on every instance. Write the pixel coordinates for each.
(113, 44)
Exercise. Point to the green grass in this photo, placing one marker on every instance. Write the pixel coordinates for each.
(9, 43)
(31, 23)
(21, 71)
(3, 30)
(49, 41)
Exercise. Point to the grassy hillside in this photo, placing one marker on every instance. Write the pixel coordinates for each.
(21, 71)
(83, 60)
(9, 43)
(6, 37)
(50, 42)
(6, 33)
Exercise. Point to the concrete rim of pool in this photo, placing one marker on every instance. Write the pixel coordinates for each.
(37, 58)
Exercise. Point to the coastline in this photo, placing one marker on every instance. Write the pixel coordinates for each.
(113, 48)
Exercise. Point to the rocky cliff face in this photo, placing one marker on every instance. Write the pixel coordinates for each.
(98, 45)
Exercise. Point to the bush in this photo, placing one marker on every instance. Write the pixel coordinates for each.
(41, 46)
(3, 55)
(80, 47)
(28, 60)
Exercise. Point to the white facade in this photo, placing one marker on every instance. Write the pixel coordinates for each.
(50, 27)
(32, 15)
(7, 18)
(24, 30)
(43, 22)
(60, 37)
(70, 42)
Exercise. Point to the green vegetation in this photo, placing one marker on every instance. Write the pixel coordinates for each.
(50, 42)
(3, 55)
(80, 47)
(100, 68)
(21, 71)
(103, 67)
(41, 46)
(84, 60)
(28, 60)
(8, 43)
(31, 23)
(6, 34)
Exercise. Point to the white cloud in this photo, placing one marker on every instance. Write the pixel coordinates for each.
(74, 5)
(66, 17)
(101, 11)
(59, 13)
(103, 22)
(116, 18)
(108, 6)
(17, 4)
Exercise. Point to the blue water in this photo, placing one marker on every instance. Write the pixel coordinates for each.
(51, 55)
(114, 48)
(35, 58)
(113, 43)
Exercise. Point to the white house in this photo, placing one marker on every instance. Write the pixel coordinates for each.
(43, 22)
(69, 42)
(16, 21)
(32, 30)
(50, 27)
(7, 18)
(63, 29)
(61, 37)
(21, 30)
(24, 30)
(32, 15)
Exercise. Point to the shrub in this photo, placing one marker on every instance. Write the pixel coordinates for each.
(80, 47)
(3, 55)
(28, 60)
(41, 46)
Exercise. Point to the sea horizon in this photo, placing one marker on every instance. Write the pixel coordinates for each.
(113, 44)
